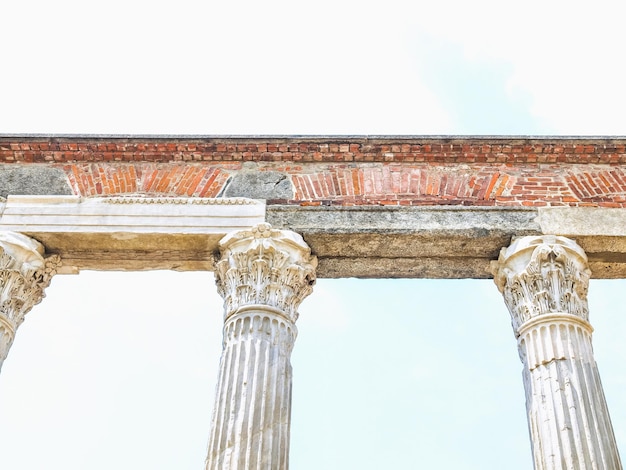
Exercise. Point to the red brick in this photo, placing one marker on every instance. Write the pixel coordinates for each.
(575, 172)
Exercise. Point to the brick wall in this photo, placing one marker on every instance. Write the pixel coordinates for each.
(342, 171)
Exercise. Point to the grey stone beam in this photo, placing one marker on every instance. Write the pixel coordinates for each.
(357, 241)
(445, 241)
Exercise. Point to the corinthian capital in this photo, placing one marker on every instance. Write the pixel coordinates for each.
(542, 275)
(264, 267)
(24, 274)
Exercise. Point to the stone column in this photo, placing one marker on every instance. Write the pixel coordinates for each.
(24, 274)
(263, 276)
(544, 282)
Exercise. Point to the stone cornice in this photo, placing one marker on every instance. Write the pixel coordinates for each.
(180, 201)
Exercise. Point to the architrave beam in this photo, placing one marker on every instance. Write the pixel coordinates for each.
(141, 233)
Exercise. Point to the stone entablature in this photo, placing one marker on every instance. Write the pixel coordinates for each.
(143, 233)
(440, 207)
(130, 233)
(342, 171)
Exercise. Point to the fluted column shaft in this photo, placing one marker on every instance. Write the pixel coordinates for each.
(263, 275)
(24, 274)
(544, 281)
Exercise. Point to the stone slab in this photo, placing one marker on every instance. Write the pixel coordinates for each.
(256, 184)
(33, 179)
(393, 242)
(131, 233)
(445, 241)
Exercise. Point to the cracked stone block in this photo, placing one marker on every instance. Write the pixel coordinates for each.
(259, 185)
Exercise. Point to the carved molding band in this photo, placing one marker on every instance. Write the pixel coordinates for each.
(180, 200)
(554, 341)
(24, 274)
(260, 325)
(263, 266)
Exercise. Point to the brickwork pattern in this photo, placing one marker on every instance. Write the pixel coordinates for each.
(357, 171)
(522, 185)
(400, 150)
(99, 179)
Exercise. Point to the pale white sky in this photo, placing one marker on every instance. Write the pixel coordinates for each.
(117, 370)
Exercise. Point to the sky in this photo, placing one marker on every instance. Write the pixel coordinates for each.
(117, 370)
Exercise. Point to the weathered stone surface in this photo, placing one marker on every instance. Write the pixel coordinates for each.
(582, 221)
(259, 185)
(544, 281)
(24, 274)
(43, 180)
(398, 219)
(131, 233)
(443, 241)
(263, 275)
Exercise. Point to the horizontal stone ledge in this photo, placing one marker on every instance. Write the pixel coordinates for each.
(445, 241)
(134, 233)
(130, 233)
(56, 214)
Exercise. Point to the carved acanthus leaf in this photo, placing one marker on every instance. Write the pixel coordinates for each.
(541, 275)
(267, 267)
(23, 278)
